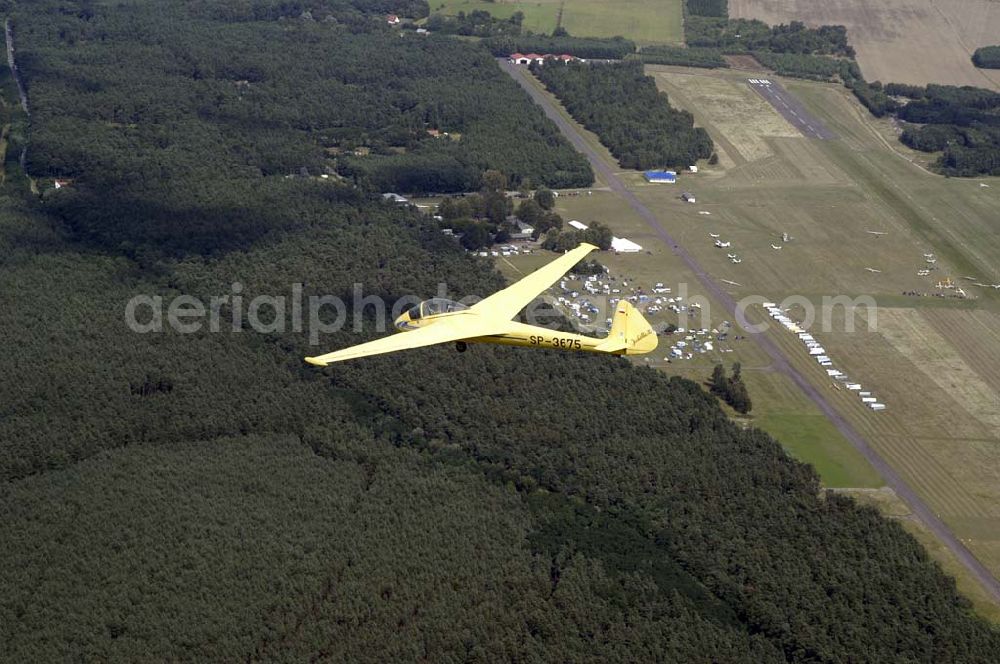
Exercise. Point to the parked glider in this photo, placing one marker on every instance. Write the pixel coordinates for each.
(439, 321)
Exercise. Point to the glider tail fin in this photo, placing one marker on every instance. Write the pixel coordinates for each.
(630, 333)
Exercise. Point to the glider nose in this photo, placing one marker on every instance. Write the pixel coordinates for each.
(403, 322)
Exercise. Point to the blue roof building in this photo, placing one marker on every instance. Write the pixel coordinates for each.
(667, 177)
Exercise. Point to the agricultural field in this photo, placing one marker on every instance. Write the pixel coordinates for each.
(643, 21)
(903, 41)
(929, 354)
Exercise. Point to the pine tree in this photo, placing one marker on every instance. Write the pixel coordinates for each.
(719, 383)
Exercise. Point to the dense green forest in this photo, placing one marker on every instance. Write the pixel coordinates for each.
(620, 104)
(357, 90)
(206, 497)
(987, 57)
(706, 8)
(961, 122)
(740, 35)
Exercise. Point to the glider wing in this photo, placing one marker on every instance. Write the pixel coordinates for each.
(451, 329)
(506, 303)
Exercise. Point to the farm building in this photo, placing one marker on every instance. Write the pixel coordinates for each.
(578, 225)
(661, 177)
(534, 58)
(688, 196)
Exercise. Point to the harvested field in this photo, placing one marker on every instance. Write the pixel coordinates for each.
(904, 41)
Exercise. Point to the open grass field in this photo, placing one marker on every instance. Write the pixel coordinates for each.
(904, 41)
(644, 21)
(935, 361)
(826, 195)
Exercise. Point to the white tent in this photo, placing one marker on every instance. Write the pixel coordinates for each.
(624, 246)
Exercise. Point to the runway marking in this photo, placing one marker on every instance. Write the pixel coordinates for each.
(789, 108)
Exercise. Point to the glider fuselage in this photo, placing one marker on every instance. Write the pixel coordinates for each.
(514, 333)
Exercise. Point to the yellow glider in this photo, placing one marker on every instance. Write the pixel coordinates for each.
(439, 321)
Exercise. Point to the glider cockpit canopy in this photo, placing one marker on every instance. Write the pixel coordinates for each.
(435, 306)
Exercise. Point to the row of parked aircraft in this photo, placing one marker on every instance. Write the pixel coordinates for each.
(723, 245)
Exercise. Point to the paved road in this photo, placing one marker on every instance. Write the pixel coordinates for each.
(780, 362)
(9, 37)
(791, 108)
(9, 34)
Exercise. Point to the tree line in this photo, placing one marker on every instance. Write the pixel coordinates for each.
(744, 35)
(622, 105)
(682, 57)
(614, 48)
(800, 65)
(718, 8)
(963, 123)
